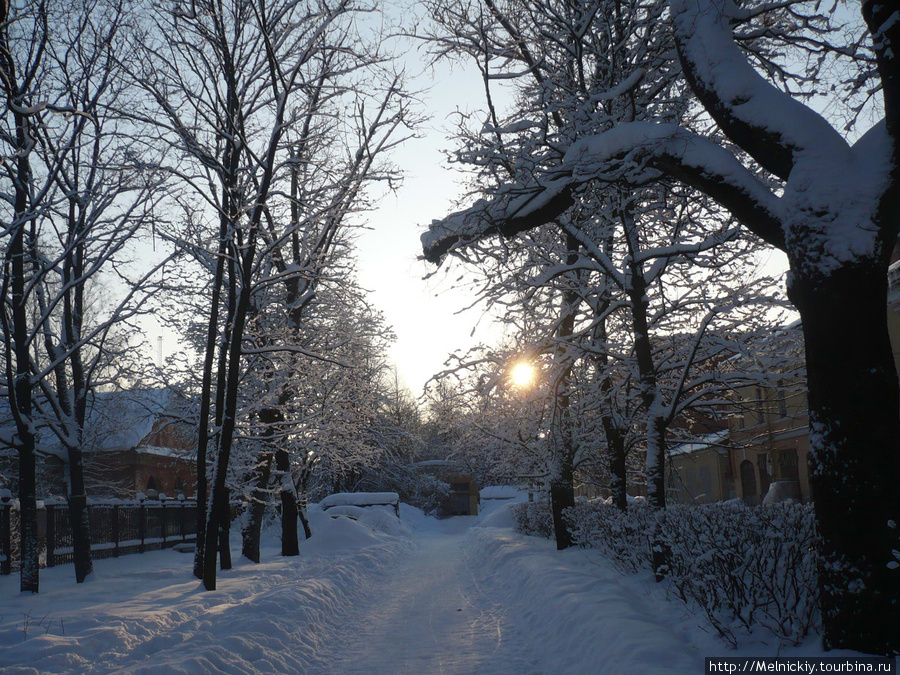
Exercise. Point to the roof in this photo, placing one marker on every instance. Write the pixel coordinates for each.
(702, 443)
(116, 421)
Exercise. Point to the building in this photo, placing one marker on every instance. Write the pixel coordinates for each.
(769, 438)
(134, 443)
(894, 306)
(699, 472)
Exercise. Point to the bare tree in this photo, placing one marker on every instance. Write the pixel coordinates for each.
(87, 201)
(249, 95)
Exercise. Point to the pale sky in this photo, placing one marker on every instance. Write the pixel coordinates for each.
(424, 314)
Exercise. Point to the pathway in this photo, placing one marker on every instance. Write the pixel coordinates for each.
(431, 617)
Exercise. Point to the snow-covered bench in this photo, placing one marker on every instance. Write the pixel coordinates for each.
(499, 492)
(362, 499)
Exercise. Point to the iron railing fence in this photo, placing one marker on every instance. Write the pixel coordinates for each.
(117, 528)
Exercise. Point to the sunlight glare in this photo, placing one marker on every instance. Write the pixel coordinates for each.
(522, 374)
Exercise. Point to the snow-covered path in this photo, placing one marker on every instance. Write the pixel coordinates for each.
(430, 617)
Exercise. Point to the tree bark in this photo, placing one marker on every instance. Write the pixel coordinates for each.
(257, 510)
(854, 413)
(562, 489)
(22, 393)
(615, 443)
(290, 542)
(562, 497)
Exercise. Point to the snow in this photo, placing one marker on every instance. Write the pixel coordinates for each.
(702, 443)
(359, 499)
(373, 595)
(499, 492)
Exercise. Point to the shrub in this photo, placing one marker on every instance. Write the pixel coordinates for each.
(534, 518)
(742, 567)
(622, 536)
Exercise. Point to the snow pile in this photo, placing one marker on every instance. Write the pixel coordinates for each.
(499, 492)
(585, 613)
(357, 526)
(500, 511)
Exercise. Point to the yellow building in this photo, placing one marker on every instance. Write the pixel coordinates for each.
(894, 310)
(699, 471)
(766, 450)
(769, 438)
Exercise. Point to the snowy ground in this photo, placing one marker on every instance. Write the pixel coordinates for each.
(463, 595)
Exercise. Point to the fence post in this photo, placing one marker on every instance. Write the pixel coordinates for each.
(51, 535)
(162, 520)
(142, 524)
(5, 532)
(115, 530)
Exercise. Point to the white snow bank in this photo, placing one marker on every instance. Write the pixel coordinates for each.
(498, 512)
(148, 614)
(372, 519)
(597, 616)
(593, 619)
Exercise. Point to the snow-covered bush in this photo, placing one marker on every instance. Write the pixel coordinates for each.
(622, 536)
(533, 518)
(746, 567)
(743, 567)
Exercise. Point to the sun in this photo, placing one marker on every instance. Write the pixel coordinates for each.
(522, 374)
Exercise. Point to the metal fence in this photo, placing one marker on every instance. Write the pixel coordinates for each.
(117, 528)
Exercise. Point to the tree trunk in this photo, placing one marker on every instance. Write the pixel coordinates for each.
(17, 338)
(79, 519)
(29, 547)
(562, 497)
(615, 442)
(257, 510)
(209, 359)
(273, 418)
(290, 544)
(215, 545)
(562, 489)
(301, 512)
(656, 462)
(225, 533)
(854, 418)
(73, 319)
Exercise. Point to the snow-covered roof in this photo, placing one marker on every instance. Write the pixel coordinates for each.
(701, 443)
(116, 421)
(121, 420)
